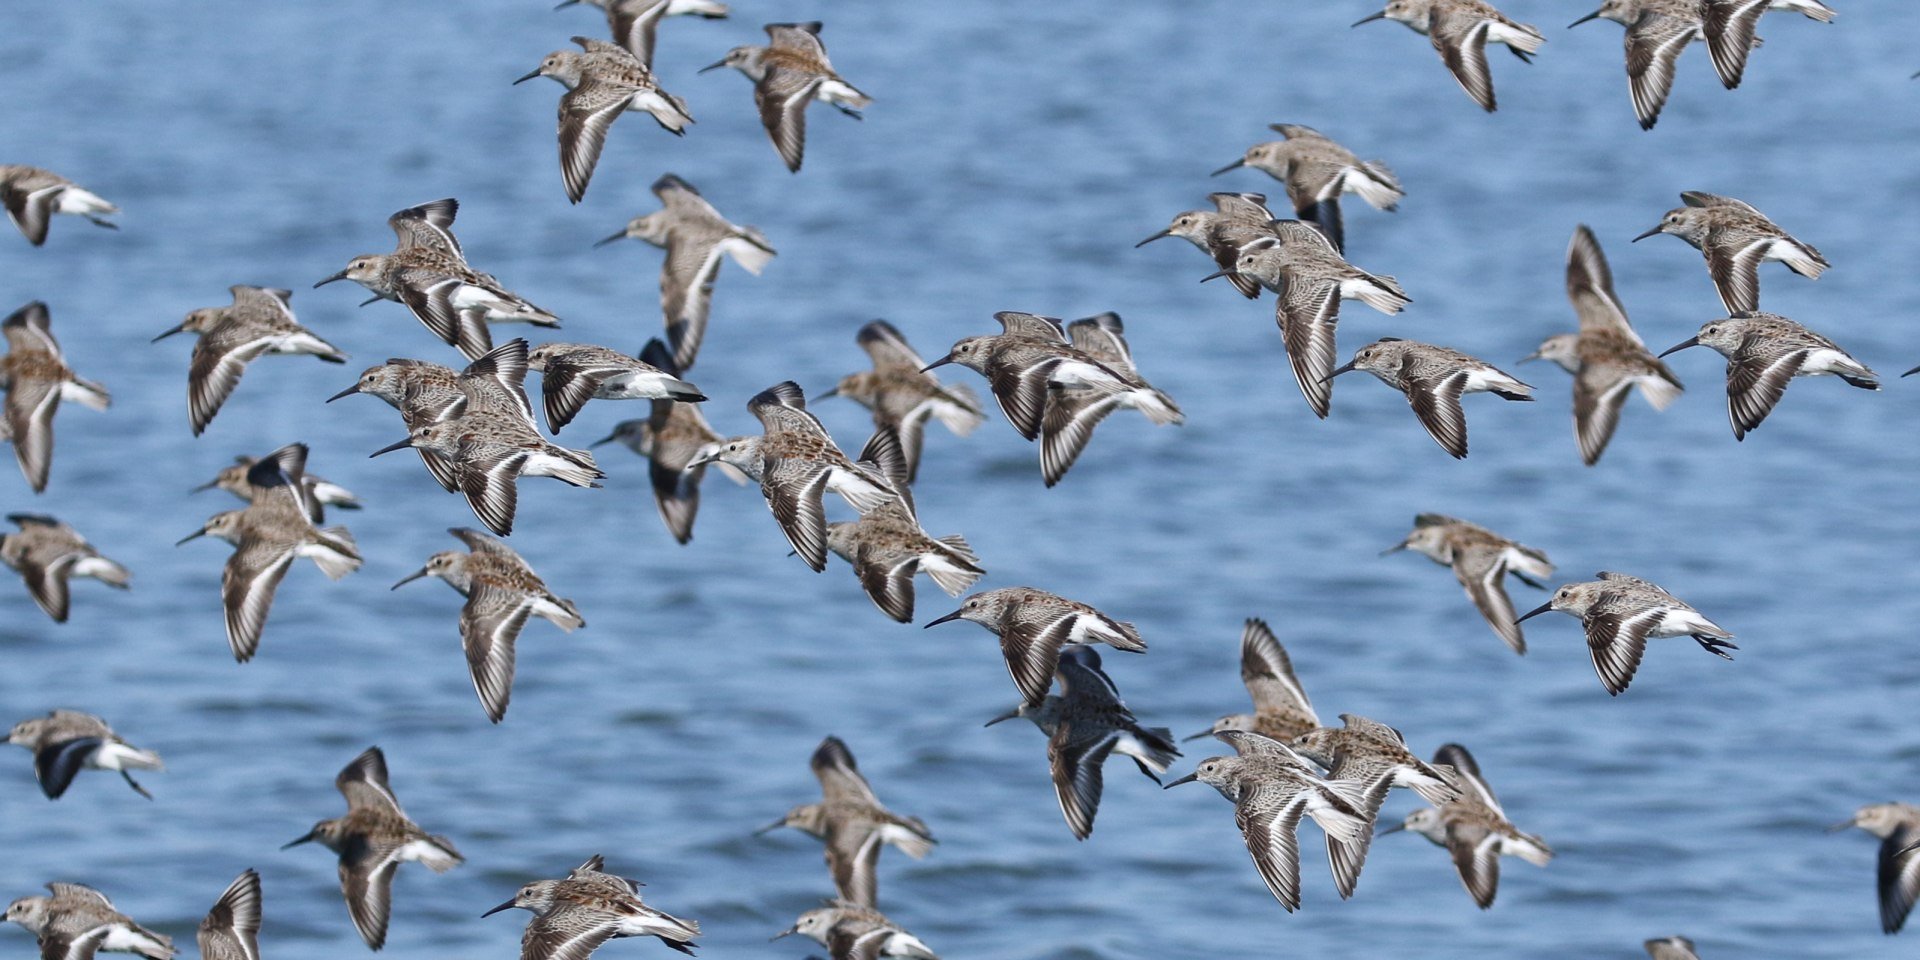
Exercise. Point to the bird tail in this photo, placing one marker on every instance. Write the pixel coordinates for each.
(1377, 186)
(952, 574)
(1530, 848)
(1381, 292)
(339, 558)
(1158, 407)
(1802, 258)
(583, 471)
(124, 756)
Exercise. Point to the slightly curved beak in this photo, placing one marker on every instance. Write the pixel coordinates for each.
(1237, 164)
(1910, 373)
(1162, 234)
(1402, 825)
(524, 79)
(771, 827)
(1189, 778)
(1649, 233)
(1204, 733)
(1396, 548)
(563, 4)
(943, 361)
(1536, 611)
(342, 275)
(1348, 368)
(1009, 715)
(788, 932)
(1382, 15)
(294, 843)
(1682, 345)
(409, 578)
(505, 906)
(348, 392)
(603, 441)
(701, 461)
(832, 391)
(949, 618)
(1842, 825)
(1529, 358)
(209, 485)
(391, 447)
(1217, 274)
(622, 235)
(167, 334)
(370, 301)
(712, 66)
(1591, 16)
(197, 534)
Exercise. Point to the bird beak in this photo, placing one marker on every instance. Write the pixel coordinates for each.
(832, 391)
(1682, 345)
(348, 392)
(505, 906)
(391, 447)
(306, 839)
(342, 275)
(1536, 611)
(1910, 373)
(563, 4)
(1402, 825)
(1189, 778)
(622, 235)
(712, 66)
(1649, 233)
(943, 361)
(1842, 825)
(1382, 15)
(1164, 233)
(1009, 715)
(1396, 548)
(409, 578)
(788, 932)
(1217, 274)
(1591, 16)
(1237, 164)
(169, 333)
(1529, 358)
(1204, 733)
(771, 827)
(603, 441)
(370, 301)
(209, 485)
(949, 618)
(1338, 371)
(524, 79)
(197, 534)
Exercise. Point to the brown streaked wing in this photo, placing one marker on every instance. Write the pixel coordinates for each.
(1755, 383)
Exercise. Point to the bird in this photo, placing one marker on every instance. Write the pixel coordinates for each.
(1032, 355)
(672, 437)
(1671, 948)
(1729, 28)
(1066, 426)
(502, 593)
(1898, 875)
(260, 321)
(1034, 625)
(1281, 710)
(1434, 379)
(602, 83)
(429, 273)
(426, 393)
(791, 71)
(696, 238)
(1607, 359)
(373, 840)
(1481, 559)
(574, 916)
(36, 377)
(489, 451)
(1317, 171)
(902, 397)
(850, 931)
(1620, 613)
(79, 920)
(1085, 724)
(1472, 827)
(887, 547)
(48, 554)
(230, 931)
(635, 23)
(1309, 278)
(1658, 31)
(32, 196)
(1735, 238)
(64, 742)
(321, 493)
(573, 373)
(1460, 31)
(1765, 352)
(268, 536)
(853, 824)
(1236, 220)
(1369, 758)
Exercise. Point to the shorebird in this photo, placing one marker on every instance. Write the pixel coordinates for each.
(1086, 723)
(1072, 411)
(1898, 827)
(502, 593)
(32, 196)
(1309, 278)
(850, 931)
(429, 273)
(36, 378)
(634, 23)
(321, 493)
(64, 742)
(1281, 710)
(231, 930)
(1620, 613)
(1735, 238)
(489, 451)
(1034, 625)
(427, 393)
(853, 824)
(1032, 355)
(1730, 26)
(902, 397)
(602, 83)
(1765, 352)
(260, 321)
(1607, 359)
(1368, 758)
(47, 554)
(1434, 379)
(1658, 31)
(573, 373)
(1472, 827)
(1671, 948)
(672, 438)
(1481, 559)
(1316, 171)
(696, 238)
(1271, 787)
(373, 840)
(574, 916)
(1236, 220)
(1460, 31)
(788, 73)
(887, 547)
(268, 535)
(79, 920)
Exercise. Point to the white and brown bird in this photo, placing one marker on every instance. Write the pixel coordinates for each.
(672, 437)
(1434, 379)
(850, 931)
(903, 397)
(77, 921)
(1034, 626)
(636, 23)
(573, 917)
(35, 376)
(853, 824)
(32, 196)
(1481, 560)
(1736, 239)
(64, 742)
(603, 82)
(1897, 876)
(1730, 30)
(1472, 827)
(1317, 171)
(1658, 31)
(789, 73)
(1621, 613)
(1236, 220)
(259, 322)
(1030, 357)
(321, 493)
(1365, 758)
(1281, 709)
(1460, 31)
(231, 930)
(48, 554)
(1765, 352)
(573, 373)
(1066, 427)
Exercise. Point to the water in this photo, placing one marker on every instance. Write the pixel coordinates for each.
(1015, 154)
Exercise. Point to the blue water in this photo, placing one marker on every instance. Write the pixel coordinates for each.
(1014, 154)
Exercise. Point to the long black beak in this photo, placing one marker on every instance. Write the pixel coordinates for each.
(411, 577)
(167, 334)
(1382, 15)
(1591, 16)
(1217, 274)
(712, 66)
(622, 235)
(391, 447)
(563, 4)
(1536, 611)
(1347, 368)
(1910, 373)
(1204, 733)
(524, 79)
(1237, 164)
(949, 618)
(1842, 825)
(348, 392)
(505, 906)
(209, 485)
(1649, 233)
(1009, 715)
(1682, 345)
(370, 301)
(1396, 548)
(197, 534)
(342, 275)
(771, 827)
(1189, 778)
(603, 441)
(291, 844)
(1402, 825)
(1162, 234)
(943, 361)
(788, 932)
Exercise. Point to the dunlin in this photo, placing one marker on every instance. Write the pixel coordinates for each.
(502, 593)
(231, 930)
(672, 438)
(427, 393)
(1281, 710)
(1481, 559)
(1607, 359)
(1309, 278)
(260, 321)
(32, 196)
(1658, 31)
(788, 73)
(1317, 171)
(36, 377)
(1086, 723)
(574, 916)
(1369, 758)
(887, 547)
(1030, 356)
(1730, 30)
(901, 396)
(321, 493)
(1671, 948)
(1460, 31)
(634, 23)
(1898, 827)
(1621, 613)
(696, 238)
(1472, 827)
(850, 931)
(853, 824)
(79, 920)
(373, 840)
(65, 742)
(1434, 379)
(267, 536)
(1735, 239)
(1072, 411)
(1764, 352)
(1236, 220)
(489, 451)
(602, 83)
(1034, 626)
(47, 554)
(573, 373)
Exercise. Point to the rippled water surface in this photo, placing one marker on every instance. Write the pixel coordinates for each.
(1013, 156)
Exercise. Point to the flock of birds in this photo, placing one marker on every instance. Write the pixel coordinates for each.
(477, 433)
